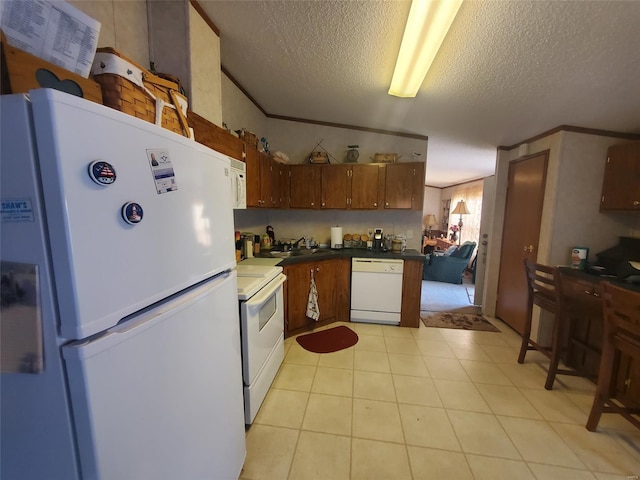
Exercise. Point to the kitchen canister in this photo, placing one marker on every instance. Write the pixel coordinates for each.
(579, 257)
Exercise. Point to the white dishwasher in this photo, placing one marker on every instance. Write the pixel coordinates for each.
(376, 290)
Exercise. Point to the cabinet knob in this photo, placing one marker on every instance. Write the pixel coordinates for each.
(528, 249)
(323, 204)
(312, 204)
(636, 203)
(375, 204)
(386, 204)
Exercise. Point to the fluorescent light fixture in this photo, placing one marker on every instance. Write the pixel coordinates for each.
(427, 25)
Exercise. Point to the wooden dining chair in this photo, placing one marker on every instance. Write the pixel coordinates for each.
(621, 308)
(544, 285)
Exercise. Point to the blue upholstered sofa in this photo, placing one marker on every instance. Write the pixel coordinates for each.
(450, 266)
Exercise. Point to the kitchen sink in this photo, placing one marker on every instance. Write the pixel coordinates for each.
(300, 252)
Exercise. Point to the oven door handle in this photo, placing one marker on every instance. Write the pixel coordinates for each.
(263, 295)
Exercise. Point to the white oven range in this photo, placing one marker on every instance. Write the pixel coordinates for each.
(262, 331)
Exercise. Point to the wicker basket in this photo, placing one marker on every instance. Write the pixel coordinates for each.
(131, 89)
(385, 158)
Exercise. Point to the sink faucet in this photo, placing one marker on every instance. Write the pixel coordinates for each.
(296, 244)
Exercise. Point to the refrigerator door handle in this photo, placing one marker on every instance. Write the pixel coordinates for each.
(173, 305)
(136, 323)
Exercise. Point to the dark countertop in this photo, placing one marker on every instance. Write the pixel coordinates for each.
(408, 254)
(593, 276)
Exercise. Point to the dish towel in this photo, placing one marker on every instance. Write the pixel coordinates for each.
(313, 310)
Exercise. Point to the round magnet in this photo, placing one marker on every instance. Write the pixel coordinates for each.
(132, 213)
(102, 173)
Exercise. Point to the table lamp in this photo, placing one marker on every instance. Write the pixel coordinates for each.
(461, 209)
(430, 221)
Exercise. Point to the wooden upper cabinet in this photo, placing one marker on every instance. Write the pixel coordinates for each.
(252, 160)
(266, 180)
(353, 186)
(335, 186)
(259, 178)
(304, 186)
(401, 185)
(621, 184)
(211, 135)
(364, 187)
(279, 185)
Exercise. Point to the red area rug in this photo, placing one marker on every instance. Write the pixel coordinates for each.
(330, 340)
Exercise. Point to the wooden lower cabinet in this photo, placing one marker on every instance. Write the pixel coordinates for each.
(333, 282)
(584, 312)
(411, 290)
(332, 278)
(584, 343)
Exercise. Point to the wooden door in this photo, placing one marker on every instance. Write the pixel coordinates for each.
(364, 186)
(266, 180)
(621, 183)
(521, 232)
(325, 275)
(334, 186)
(253, 177)
(398, 190)
(304, 182)
(417, 198)
(281, 180)
(298, 284)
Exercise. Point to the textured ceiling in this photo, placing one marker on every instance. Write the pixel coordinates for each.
(507, 70)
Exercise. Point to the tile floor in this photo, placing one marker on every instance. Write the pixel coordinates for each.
(436, 404)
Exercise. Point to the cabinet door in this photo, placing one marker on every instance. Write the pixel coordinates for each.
(628, 381)
(621, 184)
(584, 311)
(418, 186)
(325, 278)
(304, 185)
(280, 185)
(334, 186)
(298, 284)
(266, 180)
(364, 186)
(252, 160)
(399, 179)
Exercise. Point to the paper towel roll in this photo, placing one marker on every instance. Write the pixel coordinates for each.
(336, 237)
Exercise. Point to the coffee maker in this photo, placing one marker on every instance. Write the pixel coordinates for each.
(377, 240)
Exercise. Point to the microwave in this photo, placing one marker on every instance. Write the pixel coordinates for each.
(238, 174)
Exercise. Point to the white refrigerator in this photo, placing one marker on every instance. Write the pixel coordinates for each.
(121, 358)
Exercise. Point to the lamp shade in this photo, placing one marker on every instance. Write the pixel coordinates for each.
(430, 220)
(461, 209)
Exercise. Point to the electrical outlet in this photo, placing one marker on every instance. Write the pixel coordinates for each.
(409, 234)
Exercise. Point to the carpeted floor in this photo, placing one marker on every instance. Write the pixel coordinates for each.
(461, 321)
(447, 297)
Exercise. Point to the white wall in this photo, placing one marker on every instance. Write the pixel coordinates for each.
(570, 214)
(431, 204)
(239, 112)
(123, 26)
(298, 140)
(204, 66)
